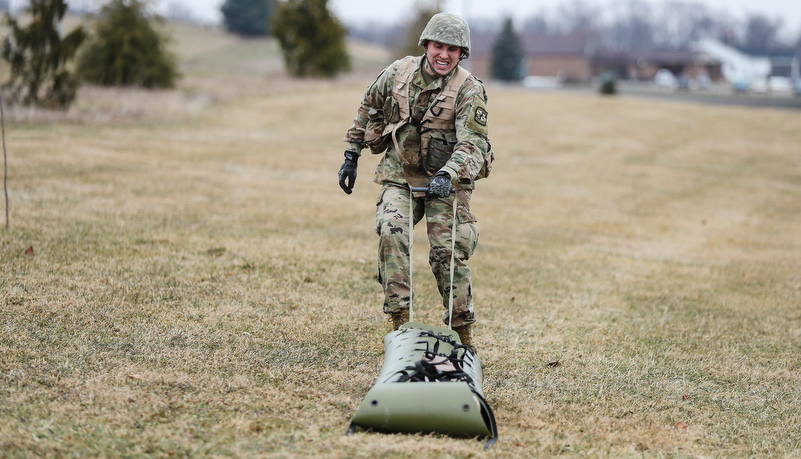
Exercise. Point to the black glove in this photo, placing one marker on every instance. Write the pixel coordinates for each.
(440, 186)
(347, 173)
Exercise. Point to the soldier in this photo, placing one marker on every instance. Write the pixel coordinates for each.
(428, 117)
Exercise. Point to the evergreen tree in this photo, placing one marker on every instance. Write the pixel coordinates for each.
(250, 18)
(39, 57)
(507, 54)
(127, 49)
(312, 39)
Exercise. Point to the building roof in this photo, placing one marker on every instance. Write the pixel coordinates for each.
(657, 56)
(534, 44)
(581, 45)
(538, 44)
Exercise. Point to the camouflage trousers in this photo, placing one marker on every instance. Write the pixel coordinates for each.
(392, 227)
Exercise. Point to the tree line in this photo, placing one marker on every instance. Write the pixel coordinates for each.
(672, 24)
(630, 24)
(126, 45)
(618, 26)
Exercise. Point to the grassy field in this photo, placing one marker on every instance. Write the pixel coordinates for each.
(182, 275)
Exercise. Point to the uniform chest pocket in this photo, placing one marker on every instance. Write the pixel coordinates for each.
(391, 111)
(439, 150)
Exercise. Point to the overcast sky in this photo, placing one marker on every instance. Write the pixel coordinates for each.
(353, 11)
(358, 9)
(350, 11)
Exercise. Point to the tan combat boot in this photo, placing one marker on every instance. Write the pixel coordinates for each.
(464, 336)
(399, 318)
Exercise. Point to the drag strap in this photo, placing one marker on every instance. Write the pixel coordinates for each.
(453, 257)
(411, 257)
(411, 253)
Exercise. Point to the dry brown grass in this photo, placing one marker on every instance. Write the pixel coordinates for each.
(197, 284)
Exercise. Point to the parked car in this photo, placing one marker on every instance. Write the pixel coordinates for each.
(740, 87)
(703, 81)
(684, 83)
(665, 79)
(780, 85)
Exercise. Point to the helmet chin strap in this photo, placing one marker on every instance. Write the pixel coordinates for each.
(429, 68)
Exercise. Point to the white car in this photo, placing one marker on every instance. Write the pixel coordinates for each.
(778, 84)
(665, 79)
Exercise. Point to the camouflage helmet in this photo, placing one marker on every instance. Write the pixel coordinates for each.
(448, 29)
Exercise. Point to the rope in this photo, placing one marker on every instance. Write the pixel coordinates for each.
(453, 256)
(411, 252)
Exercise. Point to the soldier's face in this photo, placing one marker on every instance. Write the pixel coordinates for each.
(442, 58)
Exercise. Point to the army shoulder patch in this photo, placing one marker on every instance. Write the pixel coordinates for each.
(481, 116)
(478, 120)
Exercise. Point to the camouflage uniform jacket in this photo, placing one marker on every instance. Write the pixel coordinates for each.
(464, 152)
